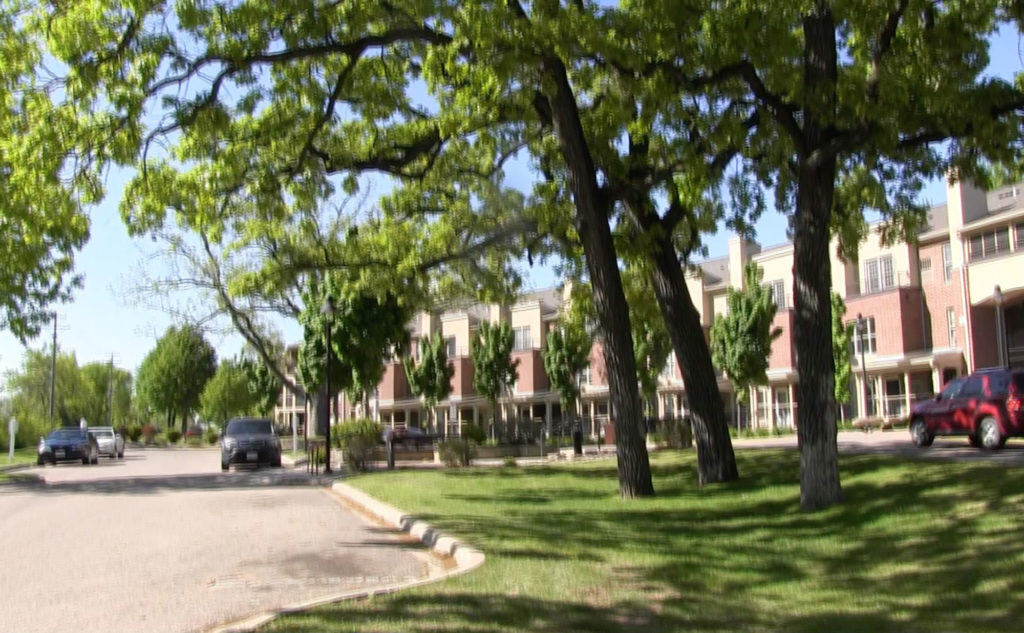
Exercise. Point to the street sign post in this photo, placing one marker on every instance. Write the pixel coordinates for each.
(12, 430)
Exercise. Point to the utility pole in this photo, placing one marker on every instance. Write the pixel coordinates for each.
(53, 366)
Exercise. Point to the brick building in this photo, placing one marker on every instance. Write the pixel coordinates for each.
(929, 311)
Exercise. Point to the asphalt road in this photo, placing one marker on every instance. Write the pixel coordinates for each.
(163, 542)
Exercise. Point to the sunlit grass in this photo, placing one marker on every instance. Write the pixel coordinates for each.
(21, 456)
(916, 546)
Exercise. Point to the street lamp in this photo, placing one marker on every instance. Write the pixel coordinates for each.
(862, 328)
(328, 311)
(1004, 355)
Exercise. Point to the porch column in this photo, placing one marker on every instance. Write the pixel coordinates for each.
(792, 406)
(862, 397)
(773, 424)
(936, 379)
(907, 396)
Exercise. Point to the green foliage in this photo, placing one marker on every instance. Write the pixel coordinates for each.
(134, 432)
(227, 393)
(509, 462)
(107, 390)
(494, 369)
(842, 343)
(263, 384)
(30, 395)
(741, 341)
(651, 344)
(456, 452)
(173, 435)
(567, 352)
(365, 328)
(172, 376)
(474, 433)
(211, 436)
(358, 439)
(431, 378)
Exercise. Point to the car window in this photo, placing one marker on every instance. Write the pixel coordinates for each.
(997, 384)
(952, 390)
(246, 427)
(1018, 382)
(973, 388)
(65, 434)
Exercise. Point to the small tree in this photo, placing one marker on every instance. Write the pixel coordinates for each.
(842, 337)
(651, 343)
(565, 355)
(430, 379)
(174, 373)
(494, 370)
(227, 394)
(263, 385)
(741, 341)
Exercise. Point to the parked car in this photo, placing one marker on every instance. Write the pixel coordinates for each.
(408, 436)
(250, 441)
(986, 406)
(110, 441)
(68, 444)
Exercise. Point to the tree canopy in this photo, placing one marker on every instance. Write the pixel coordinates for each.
(172, 376)
(494, 369)
(430, 376)
(226, 394)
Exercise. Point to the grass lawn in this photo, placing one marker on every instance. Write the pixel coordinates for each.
(21, 456)
(916, 546)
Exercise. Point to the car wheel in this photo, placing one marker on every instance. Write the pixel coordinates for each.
(120, 455)
(40, 461)
(919, 433)
(224, 466)
(86, 461)
(989, 436)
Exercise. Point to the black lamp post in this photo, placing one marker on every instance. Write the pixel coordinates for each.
(1004, 353)
(862, 328)
(328, 311)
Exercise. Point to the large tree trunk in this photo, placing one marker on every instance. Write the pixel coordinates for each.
(592, 216)
(812, 324)
(716, 461)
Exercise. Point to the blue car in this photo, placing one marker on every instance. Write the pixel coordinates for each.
(68, 444)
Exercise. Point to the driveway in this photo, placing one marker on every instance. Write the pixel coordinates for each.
(162, 541)
(897, 442)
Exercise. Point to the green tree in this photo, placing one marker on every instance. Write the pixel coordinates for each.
(430, 379)
(842, 343)
(263, 385)
(651, 343)
(741, 340)
(173, 375)
(107, 394)
(227, 394)
(43, 187)
(494, 369)
(365, 330)
(29, 388)
(566, 353)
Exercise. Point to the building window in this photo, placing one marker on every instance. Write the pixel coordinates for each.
(778, 290)
(523, 341)
(947, 263)
(669, 401)
(585, 375)
(951, 326)
(1019, 233)
(989, 244)
(450, 344)
(868, 336)
(926, 269)
(878, 274)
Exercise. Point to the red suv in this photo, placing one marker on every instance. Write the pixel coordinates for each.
(985, 406)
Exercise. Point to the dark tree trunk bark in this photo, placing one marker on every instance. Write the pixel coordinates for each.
(592, 216)
(716, 461)
(812, 324)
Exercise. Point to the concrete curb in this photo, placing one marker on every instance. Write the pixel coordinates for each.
(466, 559)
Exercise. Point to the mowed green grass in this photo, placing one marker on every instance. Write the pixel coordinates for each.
(21, 456)
(916, 546)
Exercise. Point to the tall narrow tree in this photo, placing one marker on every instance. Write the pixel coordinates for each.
(494, 369)
(430, 379)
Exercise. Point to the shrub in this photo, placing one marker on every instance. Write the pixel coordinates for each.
(474, 433)
(212, 435)
(357, 440)
(510, 462)
(134, 432)
(173, 435)
(456, 452)
(149, 433)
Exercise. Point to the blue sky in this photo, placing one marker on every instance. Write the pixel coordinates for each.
(104, 319)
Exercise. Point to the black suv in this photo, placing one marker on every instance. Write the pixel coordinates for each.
(986, 406)
(250, 441)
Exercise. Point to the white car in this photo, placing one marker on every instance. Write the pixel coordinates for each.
(110, 441)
